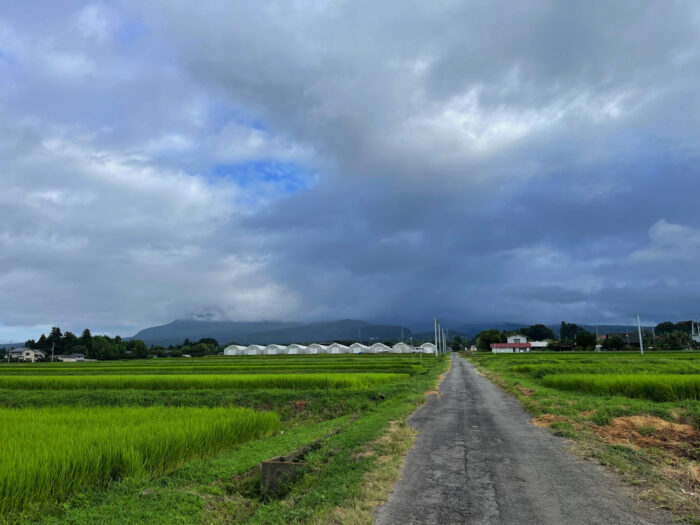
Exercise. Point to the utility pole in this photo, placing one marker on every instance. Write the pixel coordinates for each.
(435, 334)
(52, 345)
(639, 329)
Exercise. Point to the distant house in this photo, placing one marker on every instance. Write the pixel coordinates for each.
(517, 338)
(510, 348)
(539, 344)
(629, 338)
(27, 354)
(72, 358)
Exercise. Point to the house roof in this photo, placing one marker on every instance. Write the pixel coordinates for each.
(511, 345)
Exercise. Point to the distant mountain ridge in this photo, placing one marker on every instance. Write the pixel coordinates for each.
(267, 332)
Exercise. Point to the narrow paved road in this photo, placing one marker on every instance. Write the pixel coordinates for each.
(478, 459)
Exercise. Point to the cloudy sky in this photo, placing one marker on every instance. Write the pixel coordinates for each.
(482, 160)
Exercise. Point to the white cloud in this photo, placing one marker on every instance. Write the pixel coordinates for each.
(670, 243)
(94, 21)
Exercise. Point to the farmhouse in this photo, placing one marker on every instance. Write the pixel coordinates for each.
(27, 354)
(516, 343)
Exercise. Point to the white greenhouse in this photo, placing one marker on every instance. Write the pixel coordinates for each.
(296, 349)
(255, 350)
(234, 350)
(275, 350)
(337, 348)
(401, 348)
(428, 348)
(359, 348)
(378, 348)
(316, 349)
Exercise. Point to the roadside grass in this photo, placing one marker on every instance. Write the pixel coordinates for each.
(224, 487)
(652, 444)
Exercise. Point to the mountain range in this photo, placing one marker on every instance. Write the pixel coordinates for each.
(266, 332)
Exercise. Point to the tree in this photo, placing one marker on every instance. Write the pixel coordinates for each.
(585, 339)
(457, 343)
(613, 343)
(664, 328)
(684, 326)
(538, 332)
(86, 342)
(568, 331)
(486, 338)
(138, 349)
(43, 343)
(676, 340)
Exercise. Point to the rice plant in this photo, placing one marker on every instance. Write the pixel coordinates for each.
(209, 381)
(655, 387)
(47, 454)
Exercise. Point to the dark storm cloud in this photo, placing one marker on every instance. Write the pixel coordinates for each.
(530, 161)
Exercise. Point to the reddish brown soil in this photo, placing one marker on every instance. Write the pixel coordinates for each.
(680, 439)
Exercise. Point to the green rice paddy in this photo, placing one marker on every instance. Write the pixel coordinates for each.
(187, 382)
(75, 428)
(49, 453)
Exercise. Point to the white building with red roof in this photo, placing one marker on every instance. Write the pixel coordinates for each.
(516, 343)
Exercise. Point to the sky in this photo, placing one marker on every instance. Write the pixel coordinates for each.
(532, 161)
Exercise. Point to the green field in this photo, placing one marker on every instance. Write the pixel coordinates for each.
(110, 442)
(199, 382)
(636, 413)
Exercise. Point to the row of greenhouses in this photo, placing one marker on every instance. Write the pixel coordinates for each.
(332, 348)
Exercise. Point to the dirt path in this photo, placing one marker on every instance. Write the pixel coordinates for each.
(477, 459)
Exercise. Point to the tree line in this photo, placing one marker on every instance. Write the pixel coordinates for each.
(664, 336)
(105, 348)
